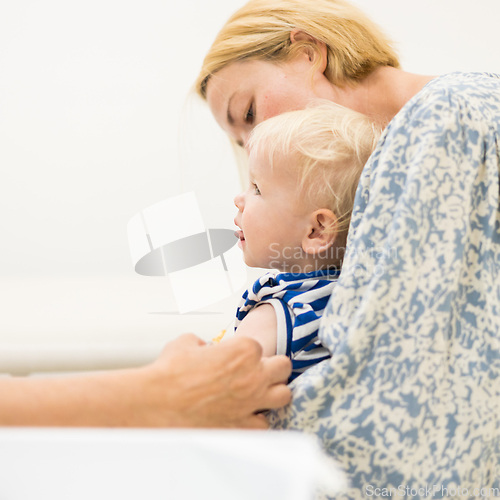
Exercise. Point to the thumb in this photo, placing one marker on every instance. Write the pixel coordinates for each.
(189, 340)
(185, 342)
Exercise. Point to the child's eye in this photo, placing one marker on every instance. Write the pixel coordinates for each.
(256, 189)
(249, 115)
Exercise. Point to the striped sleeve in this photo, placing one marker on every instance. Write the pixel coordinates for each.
(298, 300)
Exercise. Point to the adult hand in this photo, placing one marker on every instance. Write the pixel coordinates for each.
(190, 385)
(197, 385)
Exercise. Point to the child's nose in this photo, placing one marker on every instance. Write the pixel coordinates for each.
(238, 201)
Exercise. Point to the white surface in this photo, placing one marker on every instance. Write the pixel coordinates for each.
(212, 285)
(434, 37)
(91, 98)
(64, 324)
(159, 465)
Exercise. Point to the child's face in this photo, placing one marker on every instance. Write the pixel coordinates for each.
(271, 216)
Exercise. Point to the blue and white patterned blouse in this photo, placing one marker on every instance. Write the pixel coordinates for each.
(299, 300)
(411, 395)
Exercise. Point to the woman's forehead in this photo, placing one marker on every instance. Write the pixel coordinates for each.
(241, 74)
(233, 74)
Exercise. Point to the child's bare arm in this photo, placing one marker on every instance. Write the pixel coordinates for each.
(261, 324)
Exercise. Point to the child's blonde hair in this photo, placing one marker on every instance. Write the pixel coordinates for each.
(328, 144)
(261, 30)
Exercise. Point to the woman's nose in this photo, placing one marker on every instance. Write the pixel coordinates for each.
(238, 201)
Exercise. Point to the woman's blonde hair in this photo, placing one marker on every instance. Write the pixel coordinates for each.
(328, 145)
(261, 30)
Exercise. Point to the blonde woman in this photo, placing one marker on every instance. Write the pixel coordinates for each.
(410, 397)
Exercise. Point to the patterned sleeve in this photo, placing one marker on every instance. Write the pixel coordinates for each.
(411, 395)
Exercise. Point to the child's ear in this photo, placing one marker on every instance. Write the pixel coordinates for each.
(321, 232)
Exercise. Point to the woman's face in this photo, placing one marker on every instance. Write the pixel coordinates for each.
(244, 94)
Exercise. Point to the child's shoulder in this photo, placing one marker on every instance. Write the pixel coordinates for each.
(275, 282)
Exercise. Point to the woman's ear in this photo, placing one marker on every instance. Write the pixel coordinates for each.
(301, 36)
(321, 232)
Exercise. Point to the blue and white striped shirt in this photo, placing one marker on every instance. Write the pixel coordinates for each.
(299, 300)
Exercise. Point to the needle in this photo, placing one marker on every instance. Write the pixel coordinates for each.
(219, 337)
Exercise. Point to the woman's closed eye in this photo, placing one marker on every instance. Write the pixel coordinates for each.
(250, 114)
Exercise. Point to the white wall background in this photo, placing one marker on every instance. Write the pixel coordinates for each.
(92, 95)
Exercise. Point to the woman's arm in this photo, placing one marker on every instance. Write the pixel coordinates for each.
(261, 324)
(189, 385)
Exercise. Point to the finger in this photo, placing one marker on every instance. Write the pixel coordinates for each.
(186, 342)
(276, 396)
(189, 340)
(277, 369)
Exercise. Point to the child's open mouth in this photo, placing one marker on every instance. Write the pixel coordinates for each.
(240, 236)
